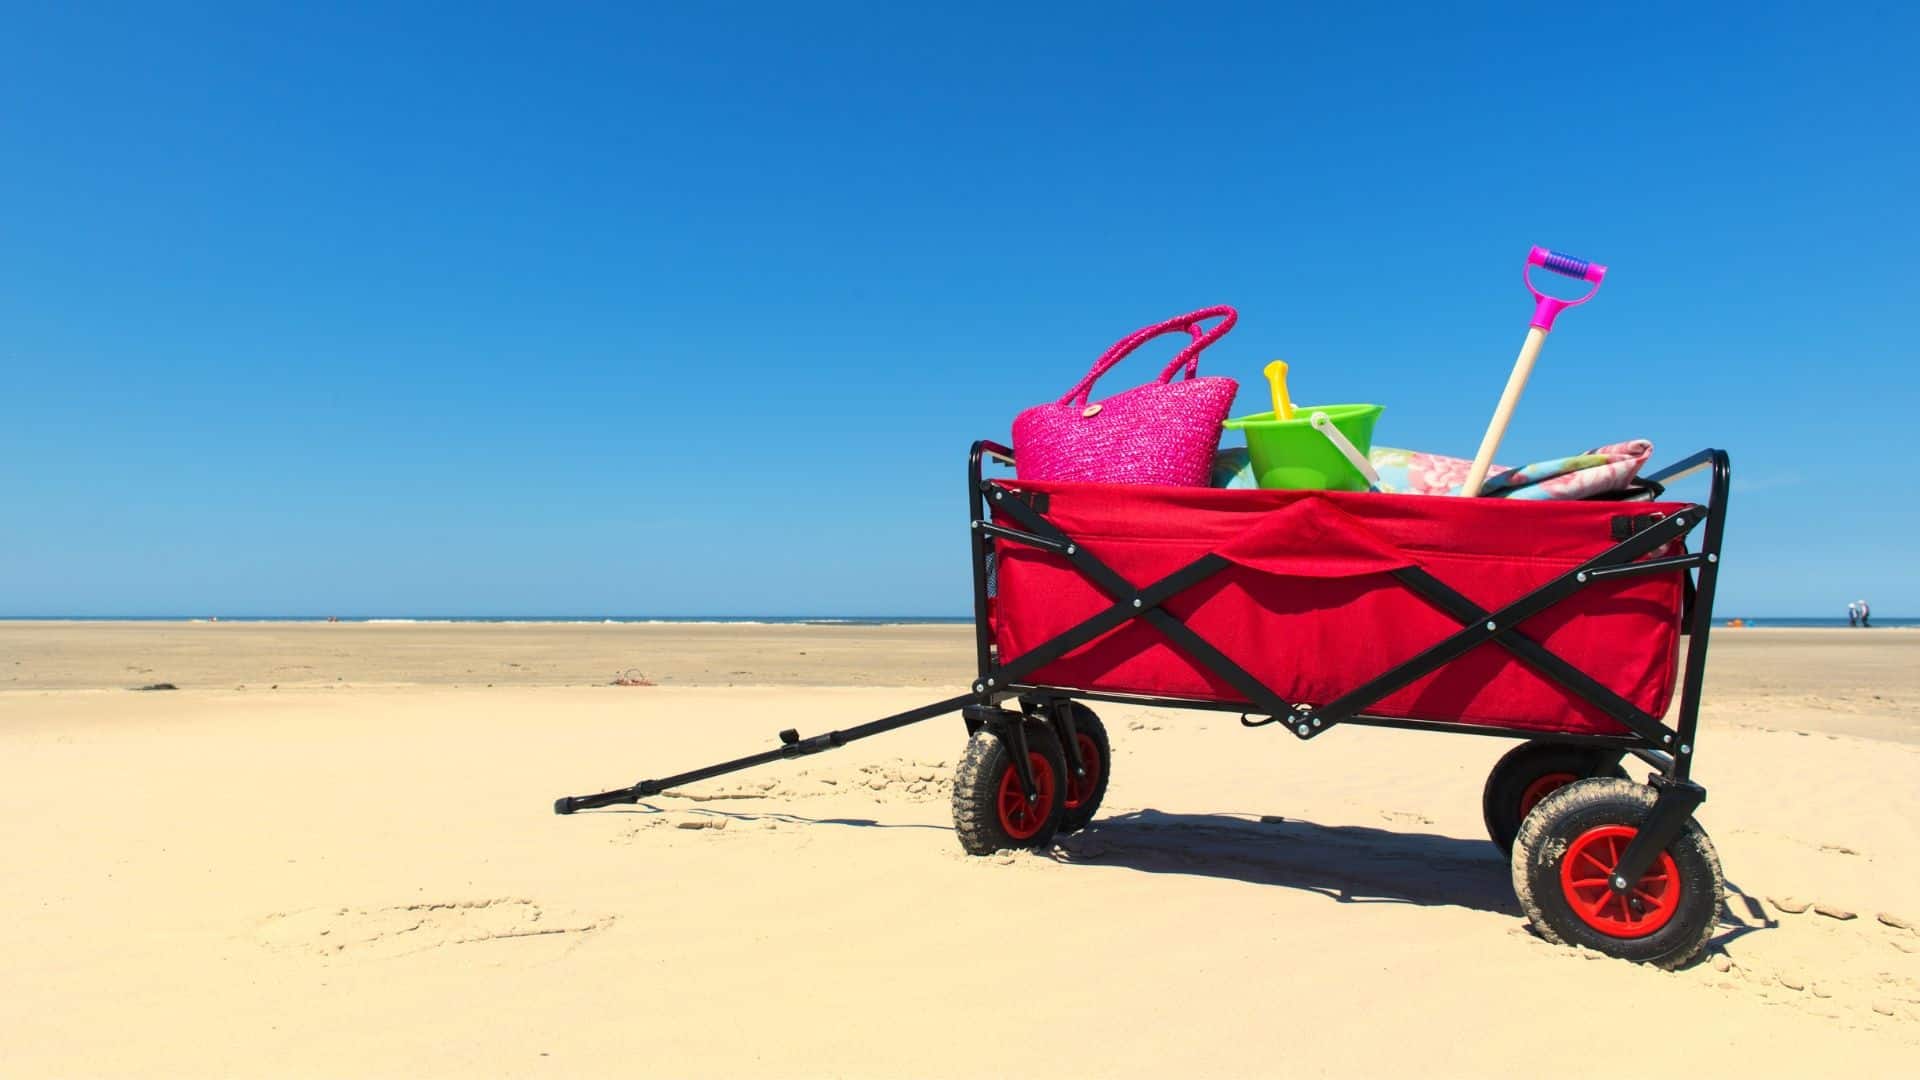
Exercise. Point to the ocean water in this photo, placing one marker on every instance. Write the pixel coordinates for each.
(741, 620)
(1792, 621)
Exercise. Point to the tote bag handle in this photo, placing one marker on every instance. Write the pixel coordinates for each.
(1188, 357)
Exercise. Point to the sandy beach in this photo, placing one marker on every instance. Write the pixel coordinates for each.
(331, 852)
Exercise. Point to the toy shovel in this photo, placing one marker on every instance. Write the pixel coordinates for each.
(1545, 308)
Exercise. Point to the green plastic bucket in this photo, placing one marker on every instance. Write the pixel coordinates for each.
(1289, 454)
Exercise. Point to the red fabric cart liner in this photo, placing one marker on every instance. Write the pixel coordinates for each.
(1310, 609)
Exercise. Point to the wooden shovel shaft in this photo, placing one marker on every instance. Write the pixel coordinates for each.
(1509, 400)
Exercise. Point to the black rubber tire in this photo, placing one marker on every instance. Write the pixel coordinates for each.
(1093, 736)
(1560, 819)
(1516, 771)
(976, 791)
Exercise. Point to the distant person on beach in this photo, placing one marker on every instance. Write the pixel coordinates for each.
(1853, 613)
(1866, 614)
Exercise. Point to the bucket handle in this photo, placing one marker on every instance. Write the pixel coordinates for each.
(1323, 424)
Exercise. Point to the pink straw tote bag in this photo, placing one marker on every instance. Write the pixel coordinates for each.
(1163, 432)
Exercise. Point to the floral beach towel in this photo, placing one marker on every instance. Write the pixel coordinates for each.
(1411, 472)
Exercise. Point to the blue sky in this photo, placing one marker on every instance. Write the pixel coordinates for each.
(466, 309)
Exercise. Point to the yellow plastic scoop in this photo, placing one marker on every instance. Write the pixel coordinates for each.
(1277, 378)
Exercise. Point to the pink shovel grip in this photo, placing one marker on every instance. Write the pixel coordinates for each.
(1546, 308)
(1188, 357)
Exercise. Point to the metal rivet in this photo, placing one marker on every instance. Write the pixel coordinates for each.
(1581, 576)
(1490, 626)
(1316, 721)
(978, 687)
(1071, 549)
(1303, 729)
(1619, 883)
(999, 495)
(1666, 738)
(1136, 601)
(1685, 749)
(976, 524)
(989, 682)
(1090, 411)
(1712, 557)
(1678, 520)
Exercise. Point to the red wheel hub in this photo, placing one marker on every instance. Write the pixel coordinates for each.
(1021, 819)
(1542, 787)
(1080, 789)
(1586, 875)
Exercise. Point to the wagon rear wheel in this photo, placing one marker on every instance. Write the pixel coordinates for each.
(1083, 793)
(990, 810)
(1529, 773)
(1564, 858)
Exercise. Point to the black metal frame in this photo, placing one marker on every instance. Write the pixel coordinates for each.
(1670, 750)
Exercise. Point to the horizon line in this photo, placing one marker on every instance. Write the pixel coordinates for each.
(567, 617)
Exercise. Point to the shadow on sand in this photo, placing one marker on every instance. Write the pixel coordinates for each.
(782, 817)
(1348, 863)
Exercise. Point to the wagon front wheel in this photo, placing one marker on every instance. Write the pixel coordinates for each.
(1529, 773)
(991, 811)
(1564, 859)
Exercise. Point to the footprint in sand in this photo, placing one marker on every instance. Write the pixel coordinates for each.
(701, 822)
(411, 928)
(897, 779)
(1817, 958)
